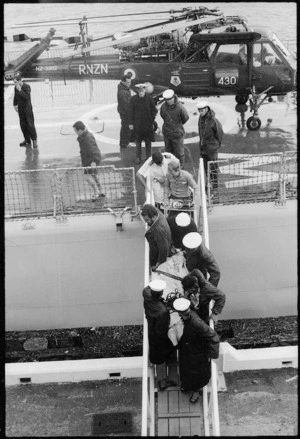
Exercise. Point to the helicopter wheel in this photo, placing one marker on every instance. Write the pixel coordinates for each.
(241, 108)
(241, 99)
(253, 123)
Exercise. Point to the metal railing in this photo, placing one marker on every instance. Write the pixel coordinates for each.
(253, 178)
(148, 402)
(63, 192)
(210, 404)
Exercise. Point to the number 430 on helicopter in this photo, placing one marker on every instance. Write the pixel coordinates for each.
(196, 52)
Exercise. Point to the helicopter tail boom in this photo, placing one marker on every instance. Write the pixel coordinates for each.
(24, 61)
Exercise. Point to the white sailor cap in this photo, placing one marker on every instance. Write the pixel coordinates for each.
(192, 240)
(141, 85)
(157, 285)
(168, 94)
(202, 104)
(181, 304)
(183, 219)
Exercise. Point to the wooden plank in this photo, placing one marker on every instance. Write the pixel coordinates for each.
(173, 401)
(174, 427)
(185, 427)
(179, 415)
(162, 402)
(163, 427)
(184, 402)
(197, 427)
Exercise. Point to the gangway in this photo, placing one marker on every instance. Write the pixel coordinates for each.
(173, 414)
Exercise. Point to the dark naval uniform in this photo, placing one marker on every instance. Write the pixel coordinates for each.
(23, 100)
(198, 344)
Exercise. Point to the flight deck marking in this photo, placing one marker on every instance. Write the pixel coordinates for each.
(254, 176)
(230, 122)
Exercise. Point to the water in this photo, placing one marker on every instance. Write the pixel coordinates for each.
(279, 16)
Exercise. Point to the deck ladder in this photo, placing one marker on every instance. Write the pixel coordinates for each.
(176, 416)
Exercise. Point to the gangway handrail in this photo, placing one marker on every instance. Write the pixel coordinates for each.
(148, 404)
(211, 407)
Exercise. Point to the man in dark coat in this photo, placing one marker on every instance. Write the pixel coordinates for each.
(124, 96)
(210, 134)
(141, 120)
(158, 235)
(200, 292)
(23, 106)
(180, 225)
(90, 157)
(174, 116)
(158, 318)
(198, 256)
(197, 346)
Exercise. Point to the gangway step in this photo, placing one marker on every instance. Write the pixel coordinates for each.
(177, 416)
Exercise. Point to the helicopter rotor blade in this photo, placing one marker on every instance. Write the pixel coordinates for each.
(56, 23)
(140, 33)
(39, 23)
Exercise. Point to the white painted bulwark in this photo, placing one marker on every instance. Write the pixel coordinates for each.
(81, 273)
(232, 359)
(73, 371)
(255, 246)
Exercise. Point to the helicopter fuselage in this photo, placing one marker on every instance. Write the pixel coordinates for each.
(211, 65)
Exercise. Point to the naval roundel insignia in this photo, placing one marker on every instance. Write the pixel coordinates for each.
(130, 71)
(175, 80)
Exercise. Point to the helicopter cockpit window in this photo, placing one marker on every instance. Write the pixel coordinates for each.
(232, 53)
(265, 55)
(281, 46)
(198, 52)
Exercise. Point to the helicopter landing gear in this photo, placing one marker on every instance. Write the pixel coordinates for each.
(241, 98)
(254, 123)
(241, 108)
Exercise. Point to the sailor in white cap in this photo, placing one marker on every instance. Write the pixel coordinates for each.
(210, 134)
(158, 318)
(198, 344)
(168, 94)
(174, 115)
(199, 256)
(182, 306)
(157, 286)
(202, 104)
(192, 241)
(141, 86)
(180, 225)
(142, 113)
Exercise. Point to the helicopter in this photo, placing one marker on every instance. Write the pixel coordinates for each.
(196, 52)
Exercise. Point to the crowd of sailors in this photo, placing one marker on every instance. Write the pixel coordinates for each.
(180, 320)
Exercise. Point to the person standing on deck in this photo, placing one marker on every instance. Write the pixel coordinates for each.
(124, 96)
(210, 135)
(23, 106)
(90, 157)
(141, 120)
(174, 115)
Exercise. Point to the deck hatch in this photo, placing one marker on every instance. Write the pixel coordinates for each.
(104, 424)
